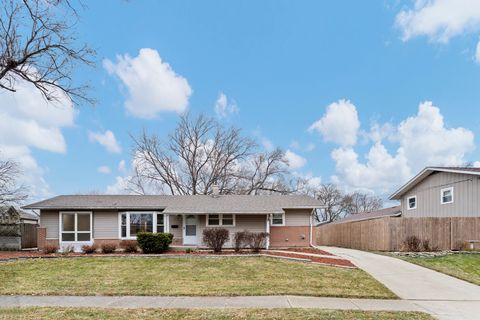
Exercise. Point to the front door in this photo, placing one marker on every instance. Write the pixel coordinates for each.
(190, 230)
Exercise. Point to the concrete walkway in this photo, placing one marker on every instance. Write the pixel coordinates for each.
(444, 296)
(208, 302)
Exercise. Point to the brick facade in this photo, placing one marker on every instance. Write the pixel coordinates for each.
(289, 237)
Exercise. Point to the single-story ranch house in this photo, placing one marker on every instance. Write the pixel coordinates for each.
(76, 220)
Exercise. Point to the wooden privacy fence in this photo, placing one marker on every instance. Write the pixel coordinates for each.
(388, 233)
(16, 236)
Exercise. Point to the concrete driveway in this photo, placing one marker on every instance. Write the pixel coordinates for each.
(444, 296)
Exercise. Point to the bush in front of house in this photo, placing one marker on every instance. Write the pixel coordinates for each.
(258, 240)
(50, 248)
(215, 238)
(241, 240)
(108, 247)
(154, 242)
(129, 246)
(88, 249)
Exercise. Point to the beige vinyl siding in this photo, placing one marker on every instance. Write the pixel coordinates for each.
(252, 223)
(177, 232)
(466, 196)
(49, 220)
(105, 225)
(297, 217)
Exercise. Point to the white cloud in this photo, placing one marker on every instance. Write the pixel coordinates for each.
(106, 139)
(225, 108)
(440, 20)
(422, 140)
(104, 169)
(120, 186)
(477, 53)
(340, 123)
(29, 121)
(121, 166)
(153, 87)
(295, 161)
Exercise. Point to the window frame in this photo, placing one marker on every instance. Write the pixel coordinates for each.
(127, 213)
(220, 220)
(277, 224)
(408, 202)
(75, 231)
(441, 195)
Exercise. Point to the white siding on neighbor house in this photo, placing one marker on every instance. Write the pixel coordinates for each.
(49, 220)
(105, 225)
(297, 217)
(466, 196)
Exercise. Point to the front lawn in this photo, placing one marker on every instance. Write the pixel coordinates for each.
(463, 266)
(204, 314)
(196, 276)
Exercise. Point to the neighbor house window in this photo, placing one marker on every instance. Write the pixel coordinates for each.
(225, 220)
(132, 223)
(412, 202)
(76, 226)
(446, 195)
(278, 219)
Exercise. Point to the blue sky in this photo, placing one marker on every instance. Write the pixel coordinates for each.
(280, 64)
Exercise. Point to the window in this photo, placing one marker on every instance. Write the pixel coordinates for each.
(278, 219)
(446, 195)
(412, 203)
(160, 223)
(132, 223)
(76, 226)
(225, 220)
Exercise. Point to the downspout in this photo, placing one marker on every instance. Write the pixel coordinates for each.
(267, 245)
(311, 228)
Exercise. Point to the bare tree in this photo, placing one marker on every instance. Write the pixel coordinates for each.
(201, 153)
(359, 202)
(334, 200)
(10, 192)
(37, 46)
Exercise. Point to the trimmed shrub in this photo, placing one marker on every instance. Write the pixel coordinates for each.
(108, 247)
(215, 238)
(154, 242)
(130, 246)
(241, 240)
(87, 249)
(50, 248)
(258, 240)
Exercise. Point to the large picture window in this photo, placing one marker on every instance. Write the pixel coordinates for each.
(132, 223)
(76, 226)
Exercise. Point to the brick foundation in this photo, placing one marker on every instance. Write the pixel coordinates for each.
(289, 237)
(41, 237)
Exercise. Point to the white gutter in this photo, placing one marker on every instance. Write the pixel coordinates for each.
(267, 245)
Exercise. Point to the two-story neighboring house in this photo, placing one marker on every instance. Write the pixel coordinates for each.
(441, 192)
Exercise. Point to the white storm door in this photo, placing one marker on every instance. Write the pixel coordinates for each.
(190, 230)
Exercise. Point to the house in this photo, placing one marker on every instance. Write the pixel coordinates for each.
(75, 220)
(441, 192)
(439, 204)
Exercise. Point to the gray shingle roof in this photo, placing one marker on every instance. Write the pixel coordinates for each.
(181, 204)
(386, 212)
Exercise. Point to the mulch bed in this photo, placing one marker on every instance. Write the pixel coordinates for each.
(7, 255)
(309, 250)
(322, 260)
